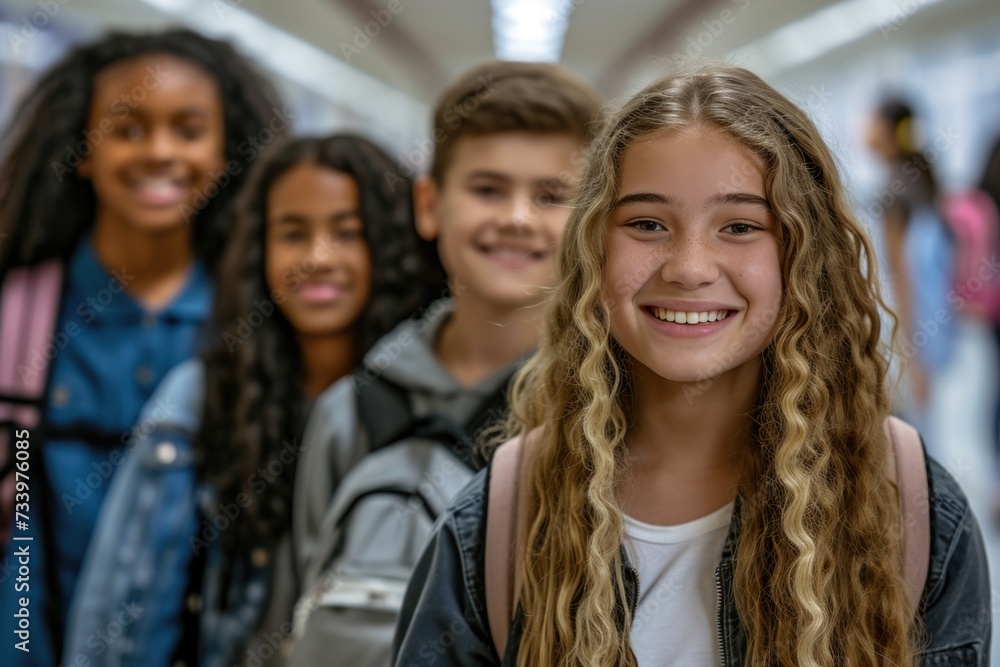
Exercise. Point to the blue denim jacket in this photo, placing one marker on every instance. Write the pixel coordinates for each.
(129, 605)
(443, 621)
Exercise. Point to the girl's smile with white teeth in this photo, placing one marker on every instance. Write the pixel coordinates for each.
(687, 317)
(160, 191)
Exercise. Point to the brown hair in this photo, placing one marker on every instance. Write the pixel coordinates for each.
(502, 96)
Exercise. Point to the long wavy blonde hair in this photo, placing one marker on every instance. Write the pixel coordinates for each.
(818, 556)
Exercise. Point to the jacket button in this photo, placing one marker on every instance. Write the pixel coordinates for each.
(143, 375)
(60, 396)
(259, 557)
(166, 453)
(194, 603)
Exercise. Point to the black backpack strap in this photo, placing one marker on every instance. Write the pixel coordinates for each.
(492, 410)
(384, 409)
(95, 437)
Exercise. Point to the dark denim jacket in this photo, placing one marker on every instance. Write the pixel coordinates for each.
(443, 620)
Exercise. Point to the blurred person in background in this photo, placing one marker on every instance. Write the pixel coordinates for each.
(990, 186)
(115, 192)
(323, 261)
(919, 252)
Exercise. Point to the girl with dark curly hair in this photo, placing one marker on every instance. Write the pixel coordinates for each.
(118, 174)
(324, 260)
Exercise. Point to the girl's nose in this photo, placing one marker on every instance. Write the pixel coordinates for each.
(325, 253)
(160, 145)
(690, 263)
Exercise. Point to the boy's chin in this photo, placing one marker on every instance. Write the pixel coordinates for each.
(508, 289)
(496, 297)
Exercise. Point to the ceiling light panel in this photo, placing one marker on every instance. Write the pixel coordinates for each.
(530, 30)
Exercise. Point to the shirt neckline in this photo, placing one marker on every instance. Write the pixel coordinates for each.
(88, 277)
(682, 532)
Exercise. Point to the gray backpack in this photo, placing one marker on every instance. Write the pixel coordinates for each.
(377, 525)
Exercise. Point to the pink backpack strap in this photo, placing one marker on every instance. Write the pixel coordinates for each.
(503, 531)
(29, 309)
(909, 470)
(507, 500)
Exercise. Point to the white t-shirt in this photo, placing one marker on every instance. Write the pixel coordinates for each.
(676, 621)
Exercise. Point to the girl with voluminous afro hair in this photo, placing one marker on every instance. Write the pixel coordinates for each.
(46, 206)
(118, 173)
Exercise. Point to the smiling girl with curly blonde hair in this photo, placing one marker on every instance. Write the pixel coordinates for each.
(706, 462)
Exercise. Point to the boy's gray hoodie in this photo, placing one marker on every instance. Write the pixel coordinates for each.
(334, 440)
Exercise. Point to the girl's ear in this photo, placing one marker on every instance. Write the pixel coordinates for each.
(425, 208)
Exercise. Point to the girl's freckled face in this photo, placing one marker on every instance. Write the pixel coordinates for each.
(693, 273)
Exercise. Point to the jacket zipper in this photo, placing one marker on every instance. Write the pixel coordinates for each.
(718, 597)
(635, 591)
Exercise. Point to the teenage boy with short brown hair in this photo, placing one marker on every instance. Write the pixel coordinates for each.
(508, 150)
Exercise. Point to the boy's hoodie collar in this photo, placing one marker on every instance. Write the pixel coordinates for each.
(405, 356)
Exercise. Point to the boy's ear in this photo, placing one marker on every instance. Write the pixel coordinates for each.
(425, 208)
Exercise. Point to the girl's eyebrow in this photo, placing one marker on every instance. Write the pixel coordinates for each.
(738, 198)
(644, 198)
(345, 215)
(192, 111)
(290, 219)
(714, 200)
(183, 112)
(300, 219)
